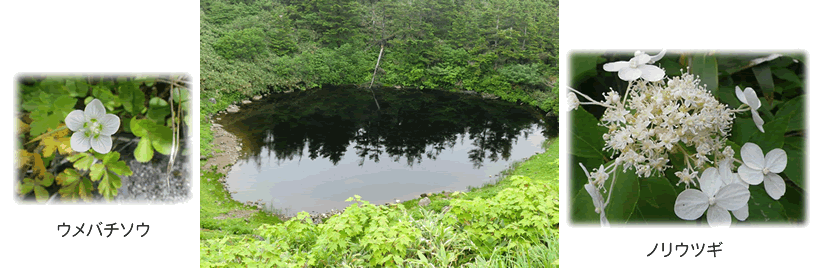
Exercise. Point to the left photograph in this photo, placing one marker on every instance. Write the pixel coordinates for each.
(101, 138)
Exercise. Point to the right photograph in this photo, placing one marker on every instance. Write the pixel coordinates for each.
(697, 138)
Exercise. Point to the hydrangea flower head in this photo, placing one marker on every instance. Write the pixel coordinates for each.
(638, 67)
(92, 128)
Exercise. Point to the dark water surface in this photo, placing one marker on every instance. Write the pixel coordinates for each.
(311, 150)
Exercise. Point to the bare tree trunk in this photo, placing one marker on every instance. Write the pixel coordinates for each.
(374, 72)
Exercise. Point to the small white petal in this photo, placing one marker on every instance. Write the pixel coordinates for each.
(101, 144)
(750, 175)
(742, 213)
(75, 120)
(752, 156)
(641, 59)
(725, 171)
(95, 109)
(732, 196)
(776, 160)
(629, 74)
(774, 185)
(657, 57)
(718, 217)
(651, 73)
(691, 204)
(615, 66)
(80, 142)
(595, 195)
(740, 94)
(758, 120)
(710, 181)
(752, 98)
(110, 124)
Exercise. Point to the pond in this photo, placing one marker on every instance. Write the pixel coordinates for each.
(311, 150)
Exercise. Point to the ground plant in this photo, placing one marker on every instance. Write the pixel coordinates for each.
(690, 136)
(72, 131)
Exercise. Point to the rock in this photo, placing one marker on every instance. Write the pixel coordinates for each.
(397, 87)
(232, 109)
(246, 101)
(423, 195)
(256, 98)
(212, 100)
(424, 202)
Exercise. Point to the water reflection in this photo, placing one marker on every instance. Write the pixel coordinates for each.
(410, 126)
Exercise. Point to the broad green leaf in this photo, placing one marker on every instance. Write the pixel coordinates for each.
(774, 136)
(795, 149)
(705, 66)
(119, 167)
(793, 203)
(161, 138)
(27, 186)
(158, 102)
(587, 141)
(132, 98)
(81, 161)
(180, 94)
(657, 200)
(158, 114)
(582, 66)
(136, 127)
(65, 103)
(765, 79)
(787, 75)
(41, 194)
(762, 208)
(624, 197)
(743, 129)
(143, 152)
(47, 180)
(96, 172)
(67, 176)
(794, 109)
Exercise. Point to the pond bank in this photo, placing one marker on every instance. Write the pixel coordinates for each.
(221, 215)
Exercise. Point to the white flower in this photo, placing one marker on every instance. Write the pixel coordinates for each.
(598, 201)
(749, 97)
(691, 203)
(637, 67)
(757, 168)
(728, 178)
(572, 101)
(92, 128)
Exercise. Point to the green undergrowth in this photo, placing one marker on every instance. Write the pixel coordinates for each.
(510, 223)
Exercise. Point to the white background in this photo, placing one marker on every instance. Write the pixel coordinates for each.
(652, 25)
(91, 37)
(163, 36)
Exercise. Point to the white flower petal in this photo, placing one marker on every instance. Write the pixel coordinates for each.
(776, 160)
(726, 176)
(750, 175)
(101, 144)
(752, 156)
(629, 74)
(774, 185)
(95, 109)
(641, 59)
(75, 120)
(615, 66)
(752, 98)
(603, 220)
(110, 124)
(691, 204)
(572, 101)
(80, 142)
(595, 195)
(742, 213)
(651, 73)
(758, 120)
(740, 95)
(732, 196)
(657, 57)
(718, 217)
(710, 181)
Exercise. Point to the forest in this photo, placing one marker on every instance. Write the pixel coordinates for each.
(499, 48)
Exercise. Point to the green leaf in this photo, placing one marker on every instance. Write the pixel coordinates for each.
(137, 129)
(158, 114)
(787, 75)
(96, 172)
(180, 94)
(794, 147)
(67, 176)
(161, 137)
(81, 161)
(119, 167)
(109, 186)
(705, 66)
(774, 136)
(625, 195)
(132, 98)
(794, 203)
(762, 208)
(41, 194)
(794, 109)
(743, 129)
(27, 186)
(143, 152)
(587, 141)
(765, 79)
(47, 180)
(583, 66)
(657, 200)
(64, 103)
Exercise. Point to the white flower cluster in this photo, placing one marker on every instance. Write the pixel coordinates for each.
(648, 126)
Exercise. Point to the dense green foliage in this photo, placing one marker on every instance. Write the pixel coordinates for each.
(152, 110)
(512, 223)
(506, 48)
(779, 83)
